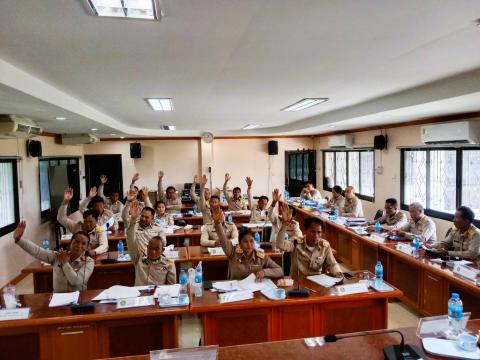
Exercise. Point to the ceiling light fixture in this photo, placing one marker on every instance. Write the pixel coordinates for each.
(93, 129)
(122, 137)
(250, 126)
(61, 118)
(113, 134)
(160, 104)
(136, 9)
(168, 127)
(305, 104)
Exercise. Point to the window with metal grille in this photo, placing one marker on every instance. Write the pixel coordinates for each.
(9, 208)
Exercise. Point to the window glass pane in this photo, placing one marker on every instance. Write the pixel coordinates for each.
(367, 177)
(44, 186)
(442, 192)
(64, 162)
(329, 166)
(292, 164)
(305, 167)
(341, 169)
(7, 194)
(353, 170)
(414, 177)
(72, 161)
(471, 180)
(299, 167)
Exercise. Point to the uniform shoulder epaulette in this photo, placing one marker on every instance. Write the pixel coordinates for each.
(261, 254)
(472, 231)
(325, 243)
(300, 241)
(238, 250)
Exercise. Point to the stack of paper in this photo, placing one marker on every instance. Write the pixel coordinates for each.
(124, 258)
(324, 280)
(256, 225)
(135, 302)
(117, 292)
(216, 251)
(62, 299)
(360, 230)
(235, 296)
(249, 283)
(170, 290)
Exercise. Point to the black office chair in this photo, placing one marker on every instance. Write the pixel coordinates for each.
(378, 214)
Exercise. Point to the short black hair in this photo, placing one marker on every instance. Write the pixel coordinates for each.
(263, 197)
(148, 208)
(393, 202)
(236, 188)
(171, 188)
(309, 183)
(156, 238)
(114, 191)
(312, 220)
(90, 212)
(466, 213)
(82, 233)
(338, 189)
(215, 197)
(158, 203)
(244, 232)
(95, 200)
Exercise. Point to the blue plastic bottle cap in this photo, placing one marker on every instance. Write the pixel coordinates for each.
(455, 296)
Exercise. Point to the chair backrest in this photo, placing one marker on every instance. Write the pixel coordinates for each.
(378, 214)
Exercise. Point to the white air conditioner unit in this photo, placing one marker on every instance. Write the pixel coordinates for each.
(12, 126)
(462, 132)
(340, 141)
(79, 139)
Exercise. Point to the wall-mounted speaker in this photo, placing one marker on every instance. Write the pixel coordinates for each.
(34, 148)
(273, 147)
(380, 142)
(135, 150)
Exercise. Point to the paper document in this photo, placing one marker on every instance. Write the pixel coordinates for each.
(67, 237)
(324, 280)
(124, 258)
(170, 290)
(216, 251)
(235, 296)
(226, 285)
(168, 230)
(62, 299)
(117, 292)
(360, 230)
(249, 283)
(256, 225)
(166, 301)
(135, 302)
(171, 254)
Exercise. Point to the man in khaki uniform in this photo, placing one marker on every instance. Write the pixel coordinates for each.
(244, 259)
(259, 211)
(152, 268)
(310, 193)
(418, 225)
(293, 227)
(98, 243)
(463, 239)
(392, 216)
(235, 202)
(170, 196)
(95, 202)
(353, 205)
(337, 201)
(112, 202)
(310, 253)
(202, 201)
(210, 237)
(71, 269)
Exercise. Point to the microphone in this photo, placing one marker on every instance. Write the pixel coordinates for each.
(391, 352)
(83, 307)
(298, 292)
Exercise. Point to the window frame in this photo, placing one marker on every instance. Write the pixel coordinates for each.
(458, 179)
(359, 195)
(11, 227)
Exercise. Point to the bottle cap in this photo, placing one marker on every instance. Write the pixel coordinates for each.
(455, 296)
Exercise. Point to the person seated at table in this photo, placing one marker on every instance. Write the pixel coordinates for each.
(293, 227)
(140, 194)
(146, 228)
(98, 243)
(310, 193)
(311, 252)
(151, 266)
(93, 201)
(337, 201)
(418, 225)
(353, 205)
(170, 196)
(202, 201)
(392, 216)
(162, 218)
(463, 239)
(209, 237)
(71, 269)
(235, 202)
(258, 212)
(112, 202)
(243, 259)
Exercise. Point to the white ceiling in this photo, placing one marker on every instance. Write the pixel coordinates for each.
(228, 63)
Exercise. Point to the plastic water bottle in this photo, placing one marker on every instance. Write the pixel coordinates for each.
(46, 243)
(257, 238)
(416, 245)
(378, 281)
(158, 221)
(198, 288)
(194, 209)
(378, 228)
(230, 219)
(455, 315)
(183, 282)
(120, 249)
(302, 203)
(9, 296)
(287, 195)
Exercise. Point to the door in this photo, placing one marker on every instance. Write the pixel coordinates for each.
(299, 169)
(109, 165)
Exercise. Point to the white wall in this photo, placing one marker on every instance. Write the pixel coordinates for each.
(12, 258)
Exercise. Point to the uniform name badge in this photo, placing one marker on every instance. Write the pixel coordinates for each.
(466, 272)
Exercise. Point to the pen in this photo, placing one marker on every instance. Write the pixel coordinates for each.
(311, 290)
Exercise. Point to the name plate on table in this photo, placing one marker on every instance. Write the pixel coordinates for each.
(351, 288)
(171, 254)
(404, 248)
(377, 238)
(14, 314)
(466, 272)
(135, 302)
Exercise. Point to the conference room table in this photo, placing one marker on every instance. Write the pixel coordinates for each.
(359, 348)
(425, 282)
(57, 333)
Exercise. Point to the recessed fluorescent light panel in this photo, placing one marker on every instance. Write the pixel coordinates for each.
(136, 9)
(249, 127)
(60, 118)
(168, 127)
(162, 104)
(305, 104)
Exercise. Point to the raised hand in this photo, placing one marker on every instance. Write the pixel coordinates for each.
(195, 179)
(63, 257)
(18, 233)
(93, 192)
(103, 179)
(276, 196)
(144, 193)
(217, 214)
(134, 210)
(249, 181)
(285, 213)
(227, 177)
(160, 174)
(204, 180)
(131, 195)
(67, 195)
(135, 178)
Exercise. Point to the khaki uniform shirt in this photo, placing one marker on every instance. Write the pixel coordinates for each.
(202, 205)
(293, 229)
(149, 272)
(311, 195)
(310, 262)
(256, 215)
(126, 210)
(210, 236)
(164, 220)
(352, 207)
(466, 244)
(425, 228)
(173, 205)
(233, 205)
(115, 208)
(240, 265)
(102, 218)
(69, 277)
(398, 220)
(98, 237)
(338, 203)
